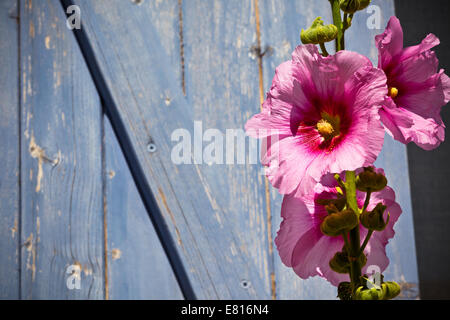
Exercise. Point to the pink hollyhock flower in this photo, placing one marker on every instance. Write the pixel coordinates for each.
(417, 91)
(303, 247)
(320, 116)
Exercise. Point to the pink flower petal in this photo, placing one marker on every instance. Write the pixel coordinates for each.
(413, 115)
(303, 247)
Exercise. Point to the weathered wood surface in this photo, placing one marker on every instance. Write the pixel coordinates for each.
(203, 235)
(69, 194)
(10, 155)
(222, 89)
(61, 171)
(137, 265)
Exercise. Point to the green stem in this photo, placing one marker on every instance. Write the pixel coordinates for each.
(366, 241)
(324, 50)
(355, 267)
(366, 202)
(350, 186)
(347, 244)
(337, 21)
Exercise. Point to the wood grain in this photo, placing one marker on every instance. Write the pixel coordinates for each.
(61, 186)
(9, 157)
(222, 89)
(137, 265)
(139, 87)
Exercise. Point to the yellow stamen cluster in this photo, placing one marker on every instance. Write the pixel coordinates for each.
(325, 128)
(392, 92)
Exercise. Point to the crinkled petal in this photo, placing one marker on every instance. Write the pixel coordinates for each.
(413, 115)
(325, 76)
(390, 42)
(406, 126)
(427, 98)
(303, 247)
(288, 161)
(418, 69)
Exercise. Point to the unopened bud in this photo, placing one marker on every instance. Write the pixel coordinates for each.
(373, 220)
(337, 223)
(390, 289)
(363, 293)
(340, 263)
(339, 203)
(351, 6)
(319, 33)
(369, 180)
(345, 291)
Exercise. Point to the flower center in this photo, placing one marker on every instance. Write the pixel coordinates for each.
(325, 128)
(328, 126)
(392, 92)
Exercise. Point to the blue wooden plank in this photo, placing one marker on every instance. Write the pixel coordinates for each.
(135, 253)
(146, 105)
(282, 34)
(281, 22)
(9, 158)
(137, 265)
(61, 186)
(222, 88)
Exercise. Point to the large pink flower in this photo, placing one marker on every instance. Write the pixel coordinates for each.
(417, 91)
(320, 116)
(307, 250)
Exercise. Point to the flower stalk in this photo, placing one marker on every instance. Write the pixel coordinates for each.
(354, 250)
(337, 21)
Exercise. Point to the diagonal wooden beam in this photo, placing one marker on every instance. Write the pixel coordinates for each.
(145, 105)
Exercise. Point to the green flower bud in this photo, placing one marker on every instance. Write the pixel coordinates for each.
(337, 223)
(390, 289)
(340, 263)
(363, 293)
(373, 220)
(318, 32)
(364, 4)
(338, 203)
(369, 180)
(351, 6)
(345, 291)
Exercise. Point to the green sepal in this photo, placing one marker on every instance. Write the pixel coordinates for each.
(391, 289)
(373, 220)
(318, 32)
(370, 181)
(351, 6)
(340, 263)
(339, 222)
(363, 293)
(339, 203)
(386, 291)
